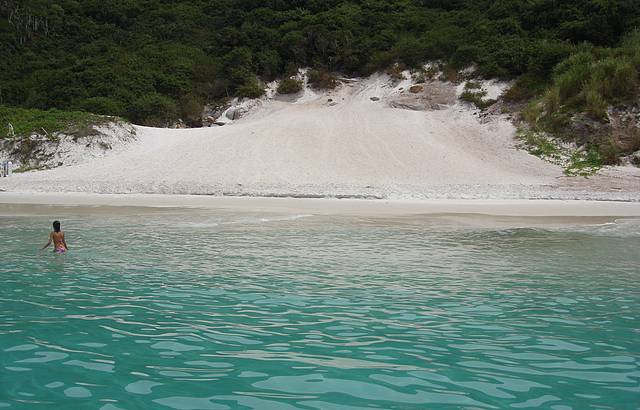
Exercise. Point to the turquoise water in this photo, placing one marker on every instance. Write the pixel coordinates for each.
(210, 310)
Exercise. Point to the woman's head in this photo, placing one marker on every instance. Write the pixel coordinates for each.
(56, 226)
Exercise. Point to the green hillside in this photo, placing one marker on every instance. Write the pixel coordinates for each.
(153, 61)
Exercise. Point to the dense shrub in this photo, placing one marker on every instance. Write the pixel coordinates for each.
(191, 108)
(153, 110)
(396, 70)
(552, 100)
(595, 79)
(466, 55)
(322, 79)
(615, 79)
(609, 152)
(571, 82)
(591, 81)
(251, 89)
(506, 58)
(102, 105)
(525, 88)
(631, 41)
(289, 85)
(477, 98)
(108, 57)
(580, 58)
(595, 105)
(545, 55)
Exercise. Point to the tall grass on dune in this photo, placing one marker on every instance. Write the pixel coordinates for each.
(20, 122)
(588, 80)
(588, 85)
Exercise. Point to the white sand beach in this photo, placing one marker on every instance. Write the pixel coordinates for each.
(28, 202)
(369, 139)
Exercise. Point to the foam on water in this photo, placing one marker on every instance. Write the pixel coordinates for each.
(212, 310)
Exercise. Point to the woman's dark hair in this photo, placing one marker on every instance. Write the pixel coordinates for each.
(56, 226)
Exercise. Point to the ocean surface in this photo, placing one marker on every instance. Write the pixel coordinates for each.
(176, 309)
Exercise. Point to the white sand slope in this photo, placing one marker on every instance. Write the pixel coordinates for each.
(309, 147)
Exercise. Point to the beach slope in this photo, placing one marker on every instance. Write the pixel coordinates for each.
(370, 138)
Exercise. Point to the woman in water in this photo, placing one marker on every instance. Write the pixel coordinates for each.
(57, 237)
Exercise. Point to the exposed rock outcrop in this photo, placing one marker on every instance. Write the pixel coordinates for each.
(431, 96)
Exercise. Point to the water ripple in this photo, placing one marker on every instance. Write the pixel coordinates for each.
(212, 310)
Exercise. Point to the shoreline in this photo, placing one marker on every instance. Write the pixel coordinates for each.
(333, 206)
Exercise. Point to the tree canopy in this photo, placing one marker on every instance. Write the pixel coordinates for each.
(150, 60)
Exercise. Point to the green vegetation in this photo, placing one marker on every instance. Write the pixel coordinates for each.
(422, 74)
(322, 79)
(23, 132)
(576, 162)
(579, 105)
(395, 71)
(289, 86)
(476, 98)
(27, 168)
(252, 88)
(474, 94)
(153, 61)
(541, 146)
(26, 122)
(596, 79)
(584, 163)
(472, 85)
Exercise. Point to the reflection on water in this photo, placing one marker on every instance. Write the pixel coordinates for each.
(210, 310)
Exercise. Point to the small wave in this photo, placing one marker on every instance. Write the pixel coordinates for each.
(244, 221)
(287, 218)
(630, 221)
(261, 220)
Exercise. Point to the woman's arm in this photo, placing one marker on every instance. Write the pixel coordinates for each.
(65, 243)
(48, 243)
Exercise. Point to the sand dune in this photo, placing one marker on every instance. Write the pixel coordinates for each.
(351, 146)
